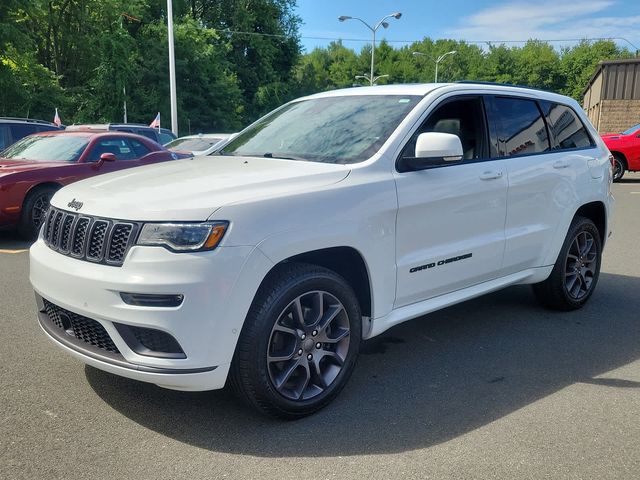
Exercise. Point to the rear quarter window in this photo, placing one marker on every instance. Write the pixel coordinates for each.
(567, 130)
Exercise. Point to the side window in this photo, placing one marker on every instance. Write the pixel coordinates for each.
(118, 146)
(46, 128)
(462, 117)
(20, 130)
(150, 134)
(567, 130)
(519, 126)
(5, 137)
(139, 149)
(165, 138)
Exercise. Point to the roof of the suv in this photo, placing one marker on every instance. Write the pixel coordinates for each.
(26, 120)
(426, 88)
(108, 126)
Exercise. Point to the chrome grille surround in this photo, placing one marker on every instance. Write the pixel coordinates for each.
(93, 239)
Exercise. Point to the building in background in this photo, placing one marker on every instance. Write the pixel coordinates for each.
(612, 97)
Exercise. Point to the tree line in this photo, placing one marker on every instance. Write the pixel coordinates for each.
(235, 60)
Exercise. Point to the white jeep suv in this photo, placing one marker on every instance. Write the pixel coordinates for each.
(326, 222)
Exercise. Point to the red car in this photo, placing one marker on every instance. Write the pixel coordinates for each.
(32, 169)
(625, 148)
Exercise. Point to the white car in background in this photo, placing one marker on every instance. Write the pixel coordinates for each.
(201, 144)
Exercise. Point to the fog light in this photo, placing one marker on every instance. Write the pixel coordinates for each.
(152, 299)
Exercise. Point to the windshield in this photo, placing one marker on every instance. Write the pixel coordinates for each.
(631, 130)
(192, 144)
(53, 148)
(345, 129)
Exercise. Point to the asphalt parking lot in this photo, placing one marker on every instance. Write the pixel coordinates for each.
(494, 388)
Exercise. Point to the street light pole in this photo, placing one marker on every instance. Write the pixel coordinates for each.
(172, 70)
(374, 29)
(437, 60)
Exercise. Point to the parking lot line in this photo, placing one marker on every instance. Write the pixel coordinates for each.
(14, 251)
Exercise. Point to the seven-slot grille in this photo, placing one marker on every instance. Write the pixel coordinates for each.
(98, 240)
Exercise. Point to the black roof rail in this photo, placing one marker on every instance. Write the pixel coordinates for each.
(28, 120)
(498, 84)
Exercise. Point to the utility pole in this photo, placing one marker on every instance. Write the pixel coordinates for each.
(172, 70)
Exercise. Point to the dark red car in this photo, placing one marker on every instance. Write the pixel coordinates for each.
(625, 148)
(32, 169)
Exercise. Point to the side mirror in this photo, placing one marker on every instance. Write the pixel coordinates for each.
(433, 149)
(108, 157)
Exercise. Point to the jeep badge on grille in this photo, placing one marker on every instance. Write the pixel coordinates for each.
(75, 204)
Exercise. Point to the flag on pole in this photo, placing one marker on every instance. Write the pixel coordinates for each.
(156, 122)
(56, 119)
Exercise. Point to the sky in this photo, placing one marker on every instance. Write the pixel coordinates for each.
(479, 20)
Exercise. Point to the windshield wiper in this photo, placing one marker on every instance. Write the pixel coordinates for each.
(271, 155)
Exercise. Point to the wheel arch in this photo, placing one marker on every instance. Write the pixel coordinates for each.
(39, 186)
(597, 213)
(345, 261)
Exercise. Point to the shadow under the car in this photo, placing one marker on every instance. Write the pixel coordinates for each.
(422, 383)
(9, 240)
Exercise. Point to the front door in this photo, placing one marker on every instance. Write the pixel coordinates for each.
(450, 224)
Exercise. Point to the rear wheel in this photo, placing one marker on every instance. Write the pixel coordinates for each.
(575, 273)
(619, 167)
(34, 209)
(299, 343)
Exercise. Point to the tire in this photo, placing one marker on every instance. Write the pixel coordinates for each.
(619, 167)
(289, 369)
(576, 271)
(33, 210)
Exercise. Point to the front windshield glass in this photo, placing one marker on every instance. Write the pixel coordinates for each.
(631, 130)
(53, 148)
(192, 144)
(345, 129)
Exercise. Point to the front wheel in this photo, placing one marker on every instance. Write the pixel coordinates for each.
(299, 343)
(576, 271)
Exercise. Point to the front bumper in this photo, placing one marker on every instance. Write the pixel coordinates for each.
(217, 289)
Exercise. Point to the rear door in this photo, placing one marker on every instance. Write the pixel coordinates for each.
(541, 174)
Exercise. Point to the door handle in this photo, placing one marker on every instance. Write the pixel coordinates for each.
(561, 164)
(491, 175)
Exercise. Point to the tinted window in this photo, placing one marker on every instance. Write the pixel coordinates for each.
(150, 134)
(21, 130)
(463, 118)
(519, 127)
(118, 146)
(139, 148)
(566, 128)
(47, 128)
(165, 138)
(5, 136)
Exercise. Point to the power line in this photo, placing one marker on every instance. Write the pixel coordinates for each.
(477, 42)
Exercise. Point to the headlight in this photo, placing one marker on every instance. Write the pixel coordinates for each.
(183, 237)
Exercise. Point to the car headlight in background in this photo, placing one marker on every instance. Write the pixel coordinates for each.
(183, 237)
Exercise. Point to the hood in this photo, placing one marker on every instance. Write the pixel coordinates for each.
(192, 189)
(18, 166)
